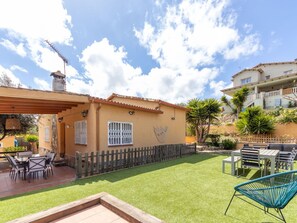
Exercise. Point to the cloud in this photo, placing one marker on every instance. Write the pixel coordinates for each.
(28, 23)
(218, 86)
(186, 42)
(107, 68)
(248, 28)
(16, 67)
(43, 85)
(172, 86)
(192, 33)
(249, 45)
(19, 49)
(34, 19)
(15, 80)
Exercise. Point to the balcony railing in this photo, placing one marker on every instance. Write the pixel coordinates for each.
(292, 90)
(272, 99)
(272, 93)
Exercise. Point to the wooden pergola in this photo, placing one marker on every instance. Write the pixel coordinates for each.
(28, 101)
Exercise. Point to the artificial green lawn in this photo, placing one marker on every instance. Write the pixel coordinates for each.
(190, 189)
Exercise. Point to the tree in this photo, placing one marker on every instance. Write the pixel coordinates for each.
(28, 122)
(254, 121)
(201, 114)
(237, 101)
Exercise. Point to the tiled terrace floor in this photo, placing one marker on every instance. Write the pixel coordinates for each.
(9, 187)
(97, 213)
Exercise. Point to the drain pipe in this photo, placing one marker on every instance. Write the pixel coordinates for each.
(97, 127)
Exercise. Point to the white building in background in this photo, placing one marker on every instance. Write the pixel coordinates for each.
(271, 84)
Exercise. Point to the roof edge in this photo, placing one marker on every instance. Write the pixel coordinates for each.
(257, 67)
(123, 105)
(114, 95)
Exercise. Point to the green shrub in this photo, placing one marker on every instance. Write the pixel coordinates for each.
(254, 121)
(228, 143)
(14, 149)
(287, 116)
(31, 138)
(276, 112)
(215, 138)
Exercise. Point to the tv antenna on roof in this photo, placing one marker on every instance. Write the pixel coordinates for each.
(59, 54)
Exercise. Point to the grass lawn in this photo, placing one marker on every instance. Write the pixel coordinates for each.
(190, 189)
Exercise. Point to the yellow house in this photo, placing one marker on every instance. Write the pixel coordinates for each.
(114, 123)
(75, 122)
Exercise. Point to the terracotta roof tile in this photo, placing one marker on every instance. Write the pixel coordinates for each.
(146, 99)
(124, 105)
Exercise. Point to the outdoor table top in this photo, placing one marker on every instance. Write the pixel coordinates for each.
(264, 153)
(21, 159)
(25, 158)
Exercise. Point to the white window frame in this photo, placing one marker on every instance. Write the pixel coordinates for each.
(246, 80)
(119, 133)
(46, 134)
(80, 132)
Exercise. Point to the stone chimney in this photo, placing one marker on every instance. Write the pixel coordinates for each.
(59, 83)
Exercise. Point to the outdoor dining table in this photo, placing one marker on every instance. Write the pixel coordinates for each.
(24, 161)
(263, 154)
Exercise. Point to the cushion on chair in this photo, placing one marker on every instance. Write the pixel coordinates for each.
(251, 164)
(289, 147)
(275, 146)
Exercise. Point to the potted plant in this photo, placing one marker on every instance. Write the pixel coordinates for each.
(32, 139)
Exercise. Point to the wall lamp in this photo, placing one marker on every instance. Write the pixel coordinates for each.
(131, 112)
(60, 119)
(84, 113)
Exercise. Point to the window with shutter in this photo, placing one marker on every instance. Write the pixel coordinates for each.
(46, 134)
(80, 131)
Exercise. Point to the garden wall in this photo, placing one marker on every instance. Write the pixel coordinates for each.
(281, 130)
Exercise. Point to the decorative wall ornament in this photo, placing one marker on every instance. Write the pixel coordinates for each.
(160, 133)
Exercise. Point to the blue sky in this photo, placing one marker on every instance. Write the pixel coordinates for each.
(169, 50)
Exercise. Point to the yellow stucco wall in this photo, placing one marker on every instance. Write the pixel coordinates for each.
(69, 117)
(143, 126)
(8, 141)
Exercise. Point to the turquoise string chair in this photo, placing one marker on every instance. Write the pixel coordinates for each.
(273, 191)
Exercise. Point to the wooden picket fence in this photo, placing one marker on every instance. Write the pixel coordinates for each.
(265, 139)
(106, 161)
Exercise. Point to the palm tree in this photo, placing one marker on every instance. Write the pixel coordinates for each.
(254, 121)
(237, 101)
(201, 114)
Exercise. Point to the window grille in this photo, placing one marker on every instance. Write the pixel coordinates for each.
(120, 133)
